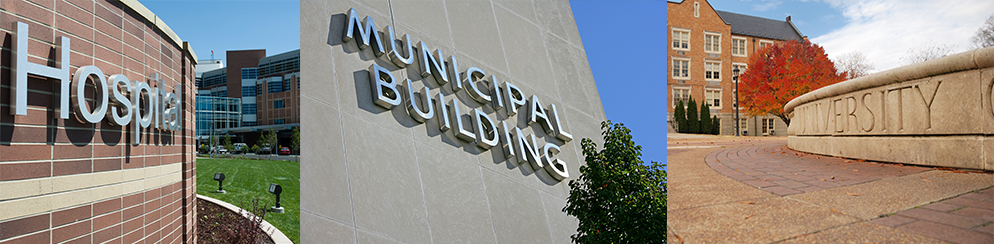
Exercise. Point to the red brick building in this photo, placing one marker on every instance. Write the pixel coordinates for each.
(705, 45)
(84, 173)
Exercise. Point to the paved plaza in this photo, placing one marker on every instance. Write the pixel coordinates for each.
(756, 190)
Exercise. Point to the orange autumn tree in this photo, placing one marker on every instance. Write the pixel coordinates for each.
(783, 72)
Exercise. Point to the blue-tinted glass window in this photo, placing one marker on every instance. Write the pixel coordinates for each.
(278, 104)
(248, 91)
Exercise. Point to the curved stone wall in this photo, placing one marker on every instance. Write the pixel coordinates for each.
(69, 173)
(936, 113)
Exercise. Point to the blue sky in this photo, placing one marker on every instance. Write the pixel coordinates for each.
(625, 45)
(273, 25)
(883, 30)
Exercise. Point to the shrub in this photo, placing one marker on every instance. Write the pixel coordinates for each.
(216, 224)
(693, 124)
(680, 116)
(705, 118)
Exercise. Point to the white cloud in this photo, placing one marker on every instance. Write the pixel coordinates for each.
(767, 5)
(884, 30)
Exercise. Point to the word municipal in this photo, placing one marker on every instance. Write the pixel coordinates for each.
(388, 92)
(111, 99)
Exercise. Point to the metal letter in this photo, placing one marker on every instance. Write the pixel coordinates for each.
(431, 63)
(514, 98)
(460, 131)
(395, 53)
(495, 94)
(142, 120)
(380, 78)
(538, 113)
(507, 143)
(367, 32)
(168, 112)
(472, 73)
(474, 91)
(21, 68)
(100, 95)
(178, 94)
(557, 168)
(119, 101)
(443, 114)
(560, 131)
(486, 130)
(529, 151)
(455, 73)
(412, 106)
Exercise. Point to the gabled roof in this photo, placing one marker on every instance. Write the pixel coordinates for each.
(760, 27)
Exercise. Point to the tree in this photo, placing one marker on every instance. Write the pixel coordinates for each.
(715, 127)
(854, 64)
(985, 35)
(618, 198)
(227, 143)
(705, 118)
(295, 139)
(693, 123)
(927, 51)
(681, 117)
(783, 72)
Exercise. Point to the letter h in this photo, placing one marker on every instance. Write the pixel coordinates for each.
(21, 67)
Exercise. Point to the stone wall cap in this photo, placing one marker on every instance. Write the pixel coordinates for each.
(973, 59)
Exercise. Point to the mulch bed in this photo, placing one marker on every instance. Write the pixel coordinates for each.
(216, 224)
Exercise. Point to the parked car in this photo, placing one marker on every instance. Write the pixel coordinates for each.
(240, 147)
(266, 150)
(284, 151)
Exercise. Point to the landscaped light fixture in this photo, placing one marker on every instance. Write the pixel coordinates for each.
(735, 76)
(219, 177)
(276, 189)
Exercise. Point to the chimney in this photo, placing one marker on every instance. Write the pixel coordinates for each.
(788, 18)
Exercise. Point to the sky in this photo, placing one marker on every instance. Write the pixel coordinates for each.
(222, 25)
(883, 30)
(625, 45)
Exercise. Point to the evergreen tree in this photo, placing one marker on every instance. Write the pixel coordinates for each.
(705, 118)
(681, 117)
(715, 126)
(693, 123)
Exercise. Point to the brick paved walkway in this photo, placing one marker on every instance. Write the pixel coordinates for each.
(782, 171)
(860, 201)
(967, 218)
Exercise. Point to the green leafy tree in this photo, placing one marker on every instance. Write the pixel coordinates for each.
(255, 148)
(618, 198)
(715, 126)
(227, 143)
(705, 118)
(295, 139)
(680, 114)
(693, 123)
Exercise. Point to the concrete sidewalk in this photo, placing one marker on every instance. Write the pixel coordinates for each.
(755, 190)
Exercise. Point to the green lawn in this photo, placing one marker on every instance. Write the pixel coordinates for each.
(247, 179)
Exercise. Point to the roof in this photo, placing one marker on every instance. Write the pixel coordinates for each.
(760, 27)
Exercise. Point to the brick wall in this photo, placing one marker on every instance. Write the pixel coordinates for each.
(680, 15)
(66, 181)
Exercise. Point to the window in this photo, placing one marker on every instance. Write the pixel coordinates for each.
(742, 69)
(743, 125)
(697, 9)
(681, 94)
(275, 85)
(248, 108)
(279, 121)
(712, 71)
(278, 104)
(286, 84)
(681, 39)
(713, 98)
(768, 126)
(712, 42)
(763, 44)
(681, 68)
(250, 73)
(248, 91)
(738, 46)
